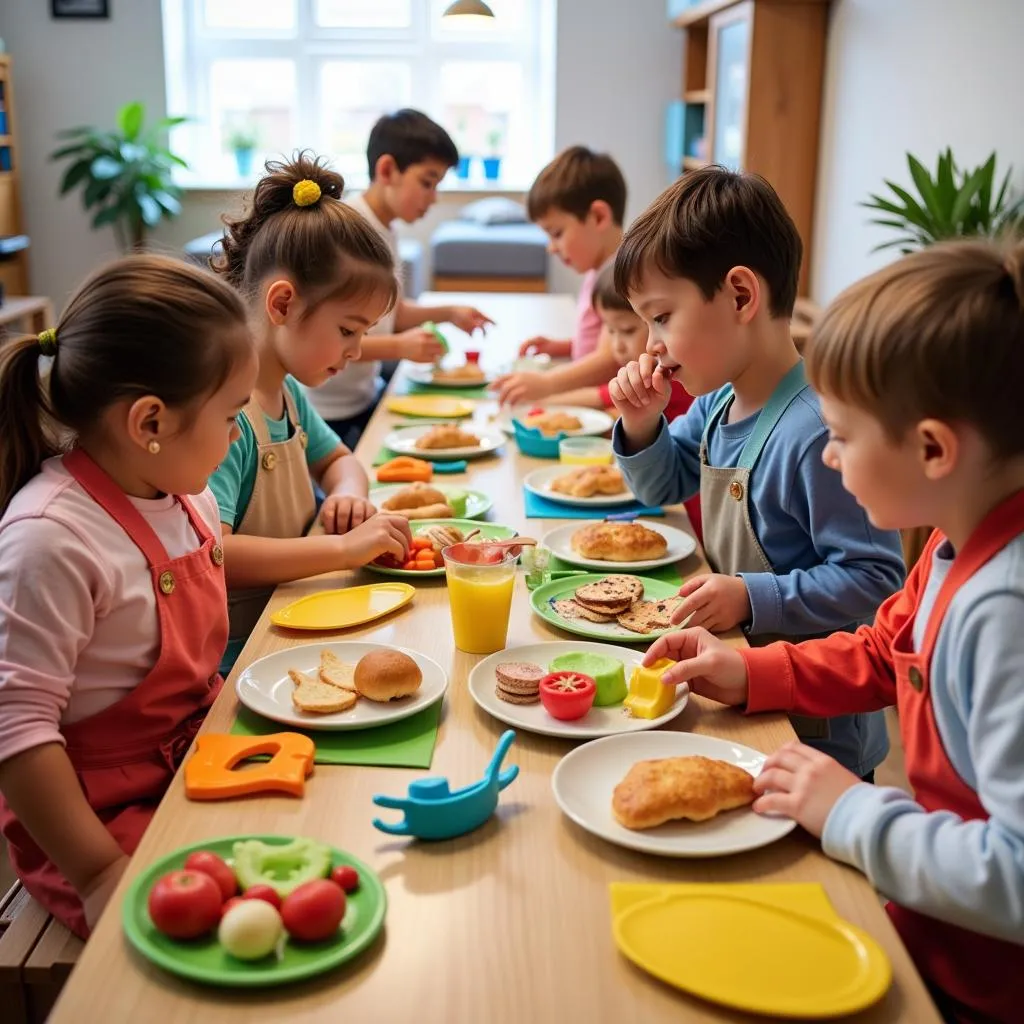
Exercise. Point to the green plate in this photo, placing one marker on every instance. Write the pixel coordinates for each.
(477, 503)
(206, 960)
(492, 531)
(543, 598)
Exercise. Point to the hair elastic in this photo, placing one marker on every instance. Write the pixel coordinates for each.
(48, 341)
(306, 192)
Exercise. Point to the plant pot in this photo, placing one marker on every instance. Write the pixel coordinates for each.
(243, 161)
(463, 166)
(492, 167)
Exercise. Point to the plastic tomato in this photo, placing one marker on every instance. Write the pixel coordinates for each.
(345, 876)
(313, 912)
(265, 893)
(185, 904)
(228, 904)
(212, 865)
(567, 695)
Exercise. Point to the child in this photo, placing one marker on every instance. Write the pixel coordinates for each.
(112, 599)
(316, 276)
(919, 367)
(627, 340)
(712, 267)
(408, 154)
(579, 200)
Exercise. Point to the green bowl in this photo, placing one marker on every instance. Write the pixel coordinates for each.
(207, 961)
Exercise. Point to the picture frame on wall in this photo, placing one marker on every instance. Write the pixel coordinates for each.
(80, 8)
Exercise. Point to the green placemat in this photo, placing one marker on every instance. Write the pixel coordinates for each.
(667, 573)
(384, 455)
(412, 387)
(405, 744)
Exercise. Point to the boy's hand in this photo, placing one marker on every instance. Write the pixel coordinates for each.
(802, 783)
(711, 667)
(420, 346)
(541, 346)
(343, 512)
(640, 393)
(714, 601)
(468, 319)
(96, 895)
(381, 534)
(527, 386)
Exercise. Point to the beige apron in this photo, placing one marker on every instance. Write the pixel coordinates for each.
(730, 543)
(282, 504)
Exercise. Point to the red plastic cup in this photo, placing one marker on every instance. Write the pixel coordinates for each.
(472, 355)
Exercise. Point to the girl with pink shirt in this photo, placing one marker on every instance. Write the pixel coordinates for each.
(113, 609)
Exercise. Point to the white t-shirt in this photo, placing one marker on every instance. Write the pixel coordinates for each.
(355, 388)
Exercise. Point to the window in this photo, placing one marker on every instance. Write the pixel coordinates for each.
(271, 76)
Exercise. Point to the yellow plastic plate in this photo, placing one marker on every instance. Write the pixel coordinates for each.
(339, 609)
(777, 957)
(430, 406)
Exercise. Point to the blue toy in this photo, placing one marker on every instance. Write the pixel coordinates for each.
(532, 442)
(432, 811)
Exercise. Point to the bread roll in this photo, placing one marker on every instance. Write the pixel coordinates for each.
(387, 675)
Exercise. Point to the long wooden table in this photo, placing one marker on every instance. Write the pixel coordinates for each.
(510, 923)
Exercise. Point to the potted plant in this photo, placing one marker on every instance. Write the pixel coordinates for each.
(465, 159)
(955, 203)
(242, 141)
(492, 163)
(125, 174)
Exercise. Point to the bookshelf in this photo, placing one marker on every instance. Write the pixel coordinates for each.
(13, 267)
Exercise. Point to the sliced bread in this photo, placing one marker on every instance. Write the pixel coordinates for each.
(336, 672)
(317, 697)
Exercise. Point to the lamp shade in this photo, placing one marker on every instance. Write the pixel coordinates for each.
(471, 8)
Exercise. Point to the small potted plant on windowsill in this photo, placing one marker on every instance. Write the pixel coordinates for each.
(242, 142)
(492, 163)
(465, 158)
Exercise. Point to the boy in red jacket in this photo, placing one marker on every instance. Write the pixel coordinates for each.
(919, 369)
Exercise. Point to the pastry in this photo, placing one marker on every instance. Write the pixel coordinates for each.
(553, 422)
(607, 673)
(696, 788)
(587, 481)
(465, 374)
(518, 682)
(618, 542)
(317, 697)
(414, 496)
(446, 435)
(387, 675)
(335, 672)
(647, 616)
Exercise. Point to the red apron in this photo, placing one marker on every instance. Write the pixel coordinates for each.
(980, 978)
(126, 755)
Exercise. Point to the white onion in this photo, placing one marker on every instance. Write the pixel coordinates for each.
(250, 929)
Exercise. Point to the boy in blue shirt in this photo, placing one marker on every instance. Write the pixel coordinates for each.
(712, 267)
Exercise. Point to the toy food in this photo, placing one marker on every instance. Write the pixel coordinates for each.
(695, 788)
(468, 373)
(387, 675)
(446, 435)
(265, 893)
(647, 616)
(551, 423)
(405, 469)
(314, 910)
(317, 697)
(618, 599)
(336, 672)
(567, 695)
(185, 904)
(619, 542)
(419, 501)
(283, 867)
(608, 674)
(648, 696)
(587, 481)
(518, 682)
(250, 930)
(345, 876)
(210, 864)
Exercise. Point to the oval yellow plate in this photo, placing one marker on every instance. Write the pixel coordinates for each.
(430, 406)
(339, 609)
(754, 956)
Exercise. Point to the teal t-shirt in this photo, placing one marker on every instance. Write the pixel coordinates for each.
(233, 483)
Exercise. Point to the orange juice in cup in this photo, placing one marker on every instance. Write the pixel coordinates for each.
(480, 585)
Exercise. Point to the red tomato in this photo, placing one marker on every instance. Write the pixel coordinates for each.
(346, 877)
(313, 911)
(265, 893)
(567, 695)
(185, 904)
(228, 904)
(210, 864)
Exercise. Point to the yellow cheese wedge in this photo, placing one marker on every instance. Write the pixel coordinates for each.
(648, 697)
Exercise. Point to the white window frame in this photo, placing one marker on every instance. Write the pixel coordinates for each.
(190, 49)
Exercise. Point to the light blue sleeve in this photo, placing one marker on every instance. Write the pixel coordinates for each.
(668, 470)
(232, 482)
(322, 440)
(969, 873)
(857, 565)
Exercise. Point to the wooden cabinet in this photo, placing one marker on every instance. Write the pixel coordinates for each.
(13, 269)
(752, 82)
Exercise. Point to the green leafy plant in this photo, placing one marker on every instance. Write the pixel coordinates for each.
(125, 174)
(242, 137)
(955, 203)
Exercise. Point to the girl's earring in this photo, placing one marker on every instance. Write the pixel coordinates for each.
(153, 446)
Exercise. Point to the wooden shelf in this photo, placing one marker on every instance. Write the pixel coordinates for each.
(693, 163)
(701, 12)
(697, 96)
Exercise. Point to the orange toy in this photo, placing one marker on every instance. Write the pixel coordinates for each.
(405, 470)
(209, 773)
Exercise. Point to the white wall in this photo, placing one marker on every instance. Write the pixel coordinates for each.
(917, 76)
(615, 72)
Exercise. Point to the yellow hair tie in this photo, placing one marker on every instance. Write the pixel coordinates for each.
(305, 192)
(48, 341)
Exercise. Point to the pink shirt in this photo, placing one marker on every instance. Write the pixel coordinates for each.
(78, 622)
(588, 323)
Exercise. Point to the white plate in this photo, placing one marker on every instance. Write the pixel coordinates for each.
(584, 779)
(423, 373)
(607, 721)
(265, 687)
(539, 482)
(680, 546)
(593, 421)
(404, 440)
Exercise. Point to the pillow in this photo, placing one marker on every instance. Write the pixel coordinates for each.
(494, 210)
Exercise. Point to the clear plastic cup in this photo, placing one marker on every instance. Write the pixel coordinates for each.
(585, 451)
(480, 596)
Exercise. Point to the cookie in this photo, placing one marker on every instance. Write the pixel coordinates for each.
(612, 590)
(515, 698)
(518, 682)
(605, 608)
(569, 609)
(647, 616)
